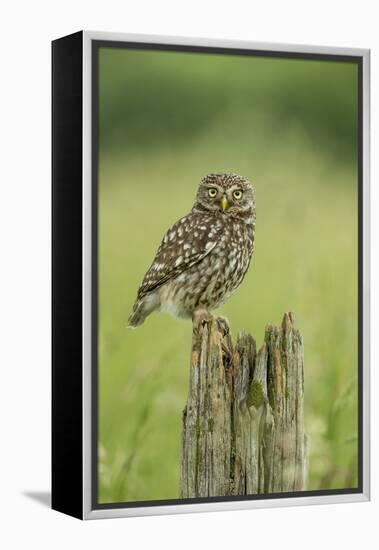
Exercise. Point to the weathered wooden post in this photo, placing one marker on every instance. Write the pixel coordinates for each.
(243, 425)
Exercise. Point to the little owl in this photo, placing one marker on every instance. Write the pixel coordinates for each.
(203, 258)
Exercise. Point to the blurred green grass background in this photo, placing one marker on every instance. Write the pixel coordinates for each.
(165, 120)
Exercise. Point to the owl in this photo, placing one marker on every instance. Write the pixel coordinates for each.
(204, 257)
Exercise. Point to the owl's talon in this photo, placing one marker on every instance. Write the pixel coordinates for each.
(223, 325)
(201, 317)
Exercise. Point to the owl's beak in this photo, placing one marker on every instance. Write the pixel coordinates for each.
(224, 203)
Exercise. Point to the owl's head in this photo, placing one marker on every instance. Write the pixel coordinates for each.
(229, 194)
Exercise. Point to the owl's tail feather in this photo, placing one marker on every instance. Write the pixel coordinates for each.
(141, 309)
(136, 318)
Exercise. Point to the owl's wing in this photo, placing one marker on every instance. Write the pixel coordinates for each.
(185, 244)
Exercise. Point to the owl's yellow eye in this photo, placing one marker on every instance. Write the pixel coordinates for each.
(237, 194)
(212, 192)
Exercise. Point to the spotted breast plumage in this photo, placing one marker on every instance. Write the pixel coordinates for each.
(204, 256)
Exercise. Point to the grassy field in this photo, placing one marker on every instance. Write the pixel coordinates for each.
(305, 260)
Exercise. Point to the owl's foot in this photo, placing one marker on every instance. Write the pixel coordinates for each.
(223, 324)
(200, 317)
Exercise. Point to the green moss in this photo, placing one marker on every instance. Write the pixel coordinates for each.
(211, 424)
(256, 396)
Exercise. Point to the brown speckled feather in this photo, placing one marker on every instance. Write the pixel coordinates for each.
(186, 243)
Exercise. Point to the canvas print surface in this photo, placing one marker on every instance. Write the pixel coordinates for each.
(227, 185)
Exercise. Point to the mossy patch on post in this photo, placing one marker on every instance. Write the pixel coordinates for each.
(255, 396)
